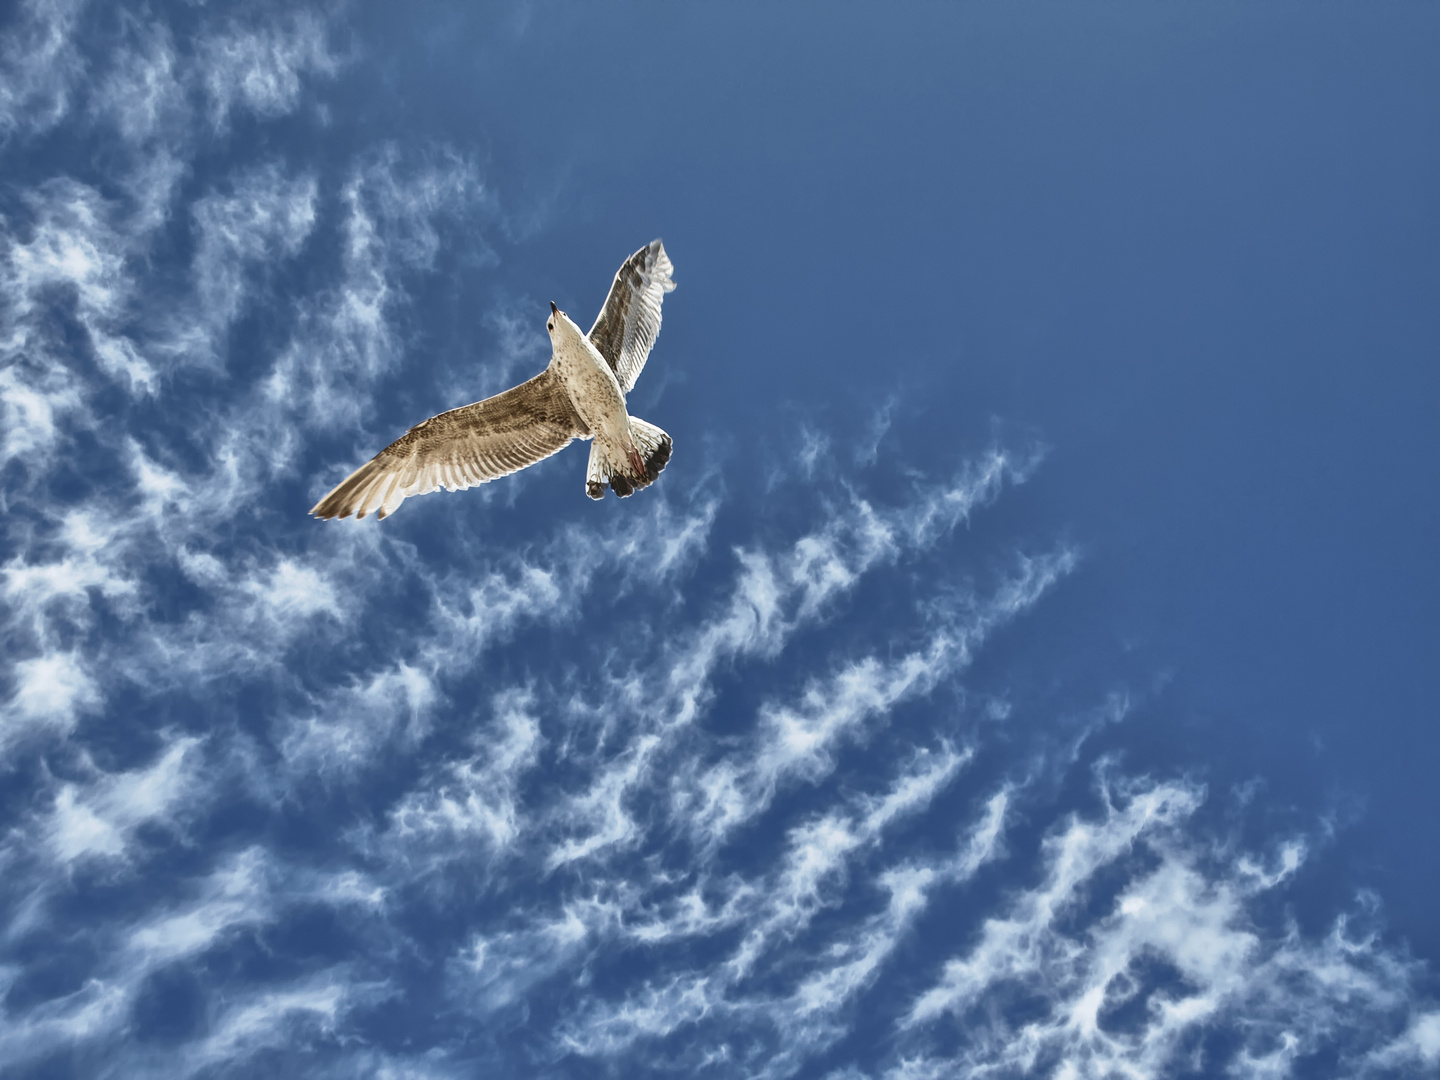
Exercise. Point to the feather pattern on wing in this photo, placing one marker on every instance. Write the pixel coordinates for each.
(461, 448)
(629, 323)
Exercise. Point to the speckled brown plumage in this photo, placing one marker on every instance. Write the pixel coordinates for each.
(629, 323)
(581, 394)
(461, 448)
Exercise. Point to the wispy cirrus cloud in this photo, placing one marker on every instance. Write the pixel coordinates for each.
(99, 819)
(72, 268)
(245, 891)
(734, 999)
(49, 692)
(775, 595)
(39, 65)
(798, 741)
(263, 218)
(1173, 955)
(259, 64)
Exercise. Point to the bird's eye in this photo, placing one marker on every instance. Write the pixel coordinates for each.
(549, 326)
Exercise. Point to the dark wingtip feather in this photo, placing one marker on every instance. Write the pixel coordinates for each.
(329, 507)
(594, 489)
(340, 502)
(655, 463)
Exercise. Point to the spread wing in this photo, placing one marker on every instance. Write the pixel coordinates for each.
(461, 448)
(630, 320)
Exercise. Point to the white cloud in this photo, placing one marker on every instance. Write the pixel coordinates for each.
(290, 590)
(76, 254)
(813, 444)
(799, 741)
(50, 692)
(39, 65)
(261, 67)
(31, 402)
(351, 726)
(344, 339)
(97, 1008)
(245, 890)
(496, 970)
(867, 450)
(43, 596)
(347, 726)
(771, 913)
(474, 800)
(941, 508)
(99, 818)
(257, 66)
(143, 92)
(1418, 1045)
(813, 1015)
(232, 896)
(235, 895)
(264, 218)
(307, 1010)
(1176, 952)
(1014, 946)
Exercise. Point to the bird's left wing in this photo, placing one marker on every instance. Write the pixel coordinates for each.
(461, 448)
(629, 323)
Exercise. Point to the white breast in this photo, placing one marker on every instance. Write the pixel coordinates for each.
(591, 384)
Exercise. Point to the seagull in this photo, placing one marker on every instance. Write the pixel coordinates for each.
(580, 395)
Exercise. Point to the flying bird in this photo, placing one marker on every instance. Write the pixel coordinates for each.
(580, 395)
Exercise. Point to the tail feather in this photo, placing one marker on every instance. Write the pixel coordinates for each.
(597, 472)
(654, 446)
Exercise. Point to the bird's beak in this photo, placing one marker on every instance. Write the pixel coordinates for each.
(553, 309)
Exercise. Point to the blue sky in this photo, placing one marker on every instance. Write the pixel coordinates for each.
(1023, 667)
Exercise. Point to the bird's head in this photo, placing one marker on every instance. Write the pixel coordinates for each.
(560, 325)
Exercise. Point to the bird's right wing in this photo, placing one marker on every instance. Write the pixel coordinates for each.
(461, 448)
(629, 323)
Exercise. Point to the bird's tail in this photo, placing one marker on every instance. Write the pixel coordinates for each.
(624, 474)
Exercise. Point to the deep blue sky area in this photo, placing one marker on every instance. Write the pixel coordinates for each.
(1026, 665)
